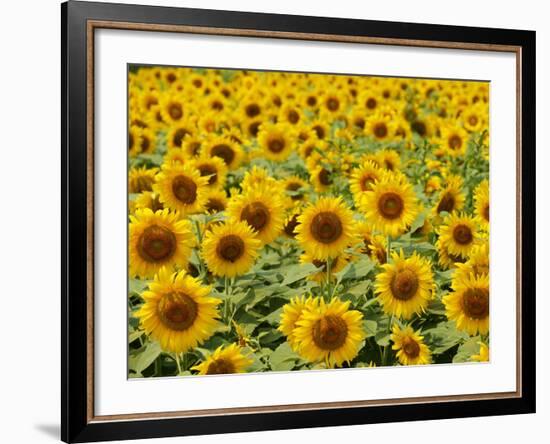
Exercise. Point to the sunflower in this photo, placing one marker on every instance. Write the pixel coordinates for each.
(175, 155)
(477, 263)
(363, 178)
(295, 189)
(141, 179)
(213, 168)
(292, 313)
(374, 245)
(454, 140)
(311, 147)
(157, 239)
(451, 198)
(326, 228)
(147, 142)
(379, 126)
(172, 109)
(459, 234)
(177, 133)
(321, 128)
(482, 355)
(178, 311)
(182, 188)
(191, 145)
(290, 114)
(410, 347)
(446, 259)
(468, 304)
(216, 201)
(224, 148)
(261, 209)
(230, 249)
(481, 198)
(134, 140)
(405, 286)
(389, 159)
(321, 178)
(392, 205)
(148, 199)
(258, 177)
(224, 360)
(276, 140)
(331, 333)
(474, 117)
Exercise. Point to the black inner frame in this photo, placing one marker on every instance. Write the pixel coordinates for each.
(74, 423)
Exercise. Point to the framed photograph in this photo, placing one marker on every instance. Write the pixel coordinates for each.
(276, 221)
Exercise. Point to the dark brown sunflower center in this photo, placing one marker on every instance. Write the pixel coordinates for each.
(486, 212)
(209, 170)
(252, 110)
(455, 142)
(130, 141)
(171, 77)
(150, 102)
(419, 127)
(330, 332)
(475, 303)
(371, 103)
(223, 151)
(333, 104)
(411, 348)
(175, 110)
(293, 116)
(390, 205)
(462, 234)
(367, 182)
(295, 186)
(177, 311)
(359, 122)
(256, 214)
(290, 226)
(185, 189)
(214, 205)
(404, 285)
(320, 131)
(220, 366)
(254, 128)
(326, 227)
(230, 247)
(447, 203)
(380, 130)
(145, 144)
(217, 105)
(473, 120)
(179, 135)
(324, 177)
(276, 145)
(156, 244)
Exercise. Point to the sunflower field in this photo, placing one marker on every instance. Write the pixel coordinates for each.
(292, 221)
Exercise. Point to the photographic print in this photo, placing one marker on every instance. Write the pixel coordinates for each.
(287, 221)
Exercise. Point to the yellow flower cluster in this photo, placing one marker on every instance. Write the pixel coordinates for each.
(232, 172)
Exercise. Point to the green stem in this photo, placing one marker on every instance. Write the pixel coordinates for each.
(177, 358)
(329, 290)
(388, 249)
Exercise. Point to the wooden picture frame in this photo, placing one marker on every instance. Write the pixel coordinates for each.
(79, 22)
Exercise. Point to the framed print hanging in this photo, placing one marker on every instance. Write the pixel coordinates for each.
(276, 221)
